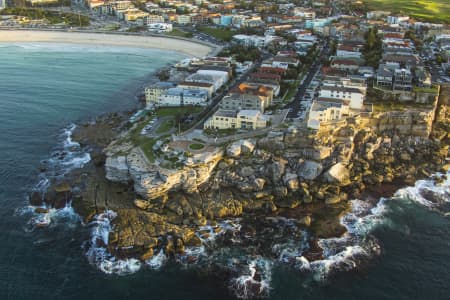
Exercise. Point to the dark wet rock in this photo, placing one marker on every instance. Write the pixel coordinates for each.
(36, 199)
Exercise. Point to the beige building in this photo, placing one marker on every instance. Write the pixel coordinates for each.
(249, 96)
(244, 101)
(232, 119)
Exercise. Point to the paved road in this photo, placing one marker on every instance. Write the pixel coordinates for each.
(294, 105)
(213, 106)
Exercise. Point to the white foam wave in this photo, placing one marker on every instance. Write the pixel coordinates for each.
(208, 234)
(78, 48)
(346, 252)
(49, 216)
(157, 261)
(99, 255)
(120, 267)
(256, 282)
(431, 192)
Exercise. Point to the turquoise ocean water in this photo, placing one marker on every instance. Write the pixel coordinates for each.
(45, 88)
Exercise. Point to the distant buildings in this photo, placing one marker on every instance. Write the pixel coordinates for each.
(254, 40)
(160, 27)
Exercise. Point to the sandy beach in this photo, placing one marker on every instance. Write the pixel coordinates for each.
(103, 39)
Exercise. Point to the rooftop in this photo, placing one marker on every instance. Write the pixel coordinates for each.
(225, 113)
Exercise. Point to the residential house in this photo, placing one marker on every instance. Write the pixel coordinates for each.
(354, 95)
(346, 64)
(403, 79)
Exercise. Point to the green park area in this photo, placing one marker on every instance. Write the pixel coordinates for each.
(425, 10)
(179, 33)
(170, 116)
(53, 17)
(223, 34)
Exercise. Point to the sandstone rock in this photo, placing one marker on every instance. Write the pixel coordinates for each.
(291, 181)
(40, 210)
(240, 147)
(306, 221)
(247, 146)
(234, 149)
(259, 183)
(310, 170)
(288, 203)
(246, 171)
(277, 169)
(194, 241)
(62, 187)
(405, 156)
(117, 169)
(147, 254)
(339, 174)
(307, 199)
(280, 191)
(142, 204)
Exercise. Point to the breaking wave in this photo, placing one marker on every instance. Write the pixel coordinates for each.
(97, 252)
(65, 157)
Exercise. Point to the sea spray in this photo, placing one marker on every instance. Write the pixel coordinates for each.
(97, 252)
(255, 283)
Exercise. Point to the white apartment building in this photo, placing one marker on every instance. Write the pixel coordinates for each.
(180, 96)
(352, 94)
(325, 110)
(232, 119)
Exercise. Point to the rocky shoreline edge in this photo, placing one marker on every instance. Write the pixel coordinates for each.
(289, 174)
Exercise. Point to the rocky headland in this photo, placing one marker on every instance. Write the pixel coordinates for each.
(291, 173)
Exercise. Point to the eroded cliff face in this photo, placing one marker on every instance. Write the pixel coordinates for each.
(284, 170)
(151, 180)
(293, 163)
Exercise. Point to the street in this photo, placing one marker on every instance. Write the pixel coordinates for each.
(295, 106)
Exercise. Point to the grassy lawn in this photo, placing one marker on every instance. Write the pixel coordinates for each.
(166, 126)
(54, 17)
(384, 106)
(173, 111)
(431, 90)
(432, 11)
(196, 146)
(219, 33)
(144, 142)
(179, 33)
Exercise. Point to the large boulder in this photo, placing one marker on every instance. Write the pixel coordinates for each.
(234, 149)
(117, 169)
(338, 174)
(276, 170)
(309, 170)
(291, 181)
(240, 147)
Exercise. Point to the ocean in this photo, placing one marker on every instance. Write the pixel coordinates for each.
(398, 248)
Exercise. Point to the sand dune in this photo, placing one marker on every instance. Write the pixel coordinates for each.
(103, 39)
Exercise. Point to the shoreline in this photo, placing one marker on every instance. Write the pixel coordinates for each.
(187, 47)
